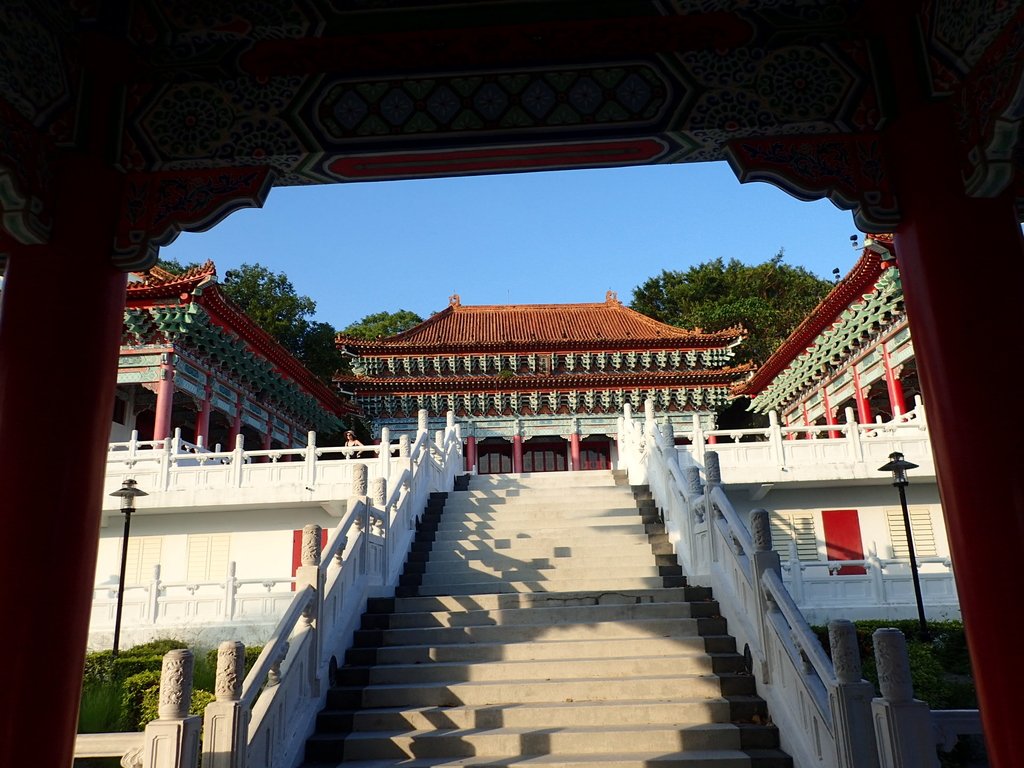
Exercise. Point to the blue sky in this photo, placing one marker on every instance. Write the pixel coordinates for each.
(527, 238)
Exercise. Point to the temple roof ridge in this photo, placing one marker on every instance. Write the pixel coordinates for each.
(459, 327)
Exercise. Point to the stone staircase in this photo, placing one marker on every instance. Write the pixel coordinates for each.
(543, 619)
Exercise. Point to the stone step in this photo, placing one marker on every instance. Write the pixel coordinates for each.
(544, 599)
(510, 741)
(586, 550)
(553, 585)
(651, 647)
(544, 480)
(535, 669)
(510, 497)
(552, 530)
(673, 627)
(527, 511)
(622, 758)
(501, 563)
(591, 713)
(666, 685)
(541, 615)
(516, 571)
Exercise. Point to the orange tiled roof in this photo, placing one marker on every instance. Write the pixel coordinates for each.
(530, 382)
(607, 325)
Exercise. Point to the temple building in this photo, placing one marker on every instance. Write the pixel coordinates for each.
(853, 357)
(540, 387)
(853, 350)
(192, 360)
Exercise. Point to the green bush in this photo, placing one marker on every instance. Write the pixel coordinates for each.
(140, 695)
(123, 693)
(939, 668)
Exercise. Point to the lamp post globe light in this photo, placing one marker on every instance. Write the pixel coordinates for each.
(128, 493)
(899, 466)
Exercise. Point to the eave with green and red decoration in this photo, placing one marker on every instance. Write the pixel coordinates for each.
(215, 351)
(854, 343)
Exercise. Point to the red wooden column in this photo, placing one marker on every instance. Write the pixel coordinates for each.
(957, 306)
(574, 451)
(470, 453)
(164, 398)
(864, 415)
(517, 453)
(892, 383)
(830, 418)
(203, 417)
(51, 507)
(980, 481)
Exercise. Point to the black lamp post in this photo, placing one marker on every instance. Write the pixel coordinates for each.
(899, 466)
(128, 493)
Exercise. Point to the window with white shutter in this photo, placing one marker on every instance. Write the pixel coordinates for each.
(208, 556)
(798, 527)
(920, 528)
(143, 554)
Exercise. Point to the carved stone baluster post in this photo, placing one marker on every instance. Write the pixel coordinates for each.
(763, 559)
(358, 500)
(384, 452)
(381, 520)
(712, 479)
(310, 459)
(172, 740)
(155, 587)
(796, 574)
(310, 573)
(422, 421)
(903, 726)
(225, 721)
(850, 700)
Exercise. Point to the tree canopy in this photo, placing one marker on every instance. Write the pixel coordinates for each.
(382, 324)
(768, 299)
(271, 301)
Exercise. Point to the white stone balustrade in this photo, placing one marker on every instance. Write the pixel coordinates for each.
(181, 476)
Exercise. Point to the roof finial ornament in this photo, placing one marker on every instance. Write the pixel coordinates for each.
(454, 301)
(611, 297)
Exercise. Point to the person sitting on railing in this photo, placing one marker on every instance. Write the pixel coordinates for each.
(350, 441)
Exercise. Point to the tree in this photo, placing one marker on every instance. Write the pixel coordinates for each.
(271, 301)
(383, 324)
(768, 299)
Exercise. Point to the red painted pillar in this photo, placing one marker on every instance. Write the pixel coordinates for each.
(50, 502)
(517, 453)
(470, 453)
(268, 438)
(980, 481)
(236, 423)
(203, 417)
(164, 398)
(830, 417)
(892, 383)
(863, 406)
(947, 294)
(574, 451)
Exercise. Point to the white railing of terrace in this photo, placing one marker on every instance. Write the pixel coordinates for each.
(779, 453)
(263, 721)
(823, 709)
(162, 603)
(176, 473)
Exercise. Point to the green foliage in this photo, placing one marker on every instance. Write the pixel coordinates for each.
(100, 708)
(768, 299)
(382, 324)
(271, 301)
(140, 697)
(123, 694)
(940, 668)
